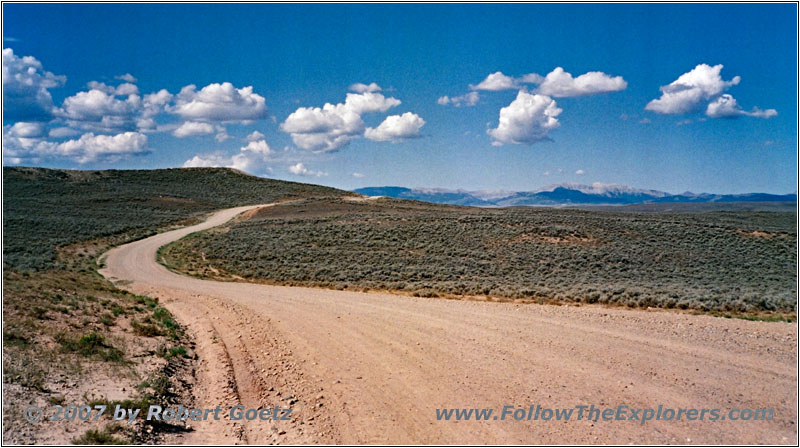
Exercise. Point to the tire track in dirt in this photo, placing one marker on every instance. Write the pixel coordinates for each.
(372, 368)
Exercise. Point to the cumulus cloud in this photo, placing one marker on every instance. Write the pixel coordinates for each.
(396, 128)
(92, 147)
(254, 136)
(113, 118)
(527, 120)
(97, 110)
(725, 106)
(496, 81)
(26, 130)
(334, 125)
(557, 83)
(251, 158)
(580, 172)
(125, 89)
(219, 160)
(192, 129)
(208, 161)
(219, 102)
(561, 84)
(499, 81)
(363, 88)
(686, 93)
(153, 104)
(468, 100)
(26, 95)
(359, 175)
(88, 148)
(127, 77)
(299, 169)
(257, 147)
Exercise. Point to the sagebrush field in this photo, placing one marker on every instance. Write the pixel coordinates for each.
(722, 261)
(70, 336)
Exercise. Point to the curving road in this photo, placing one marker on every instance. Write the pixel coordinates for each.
(373, 368)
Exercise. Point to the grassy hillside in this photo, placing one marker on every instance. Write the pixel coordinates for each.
(713, 261)
(44, 210)
(69, 336)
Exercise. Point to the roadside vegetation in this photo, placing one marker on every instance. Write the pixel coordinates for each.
(739, 263)
(70, 337)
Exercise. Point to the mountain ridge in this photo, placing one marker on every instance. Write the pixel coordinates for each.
(565, 194)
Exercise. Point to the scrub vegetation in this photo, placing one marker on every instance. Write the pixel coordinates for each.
(70, 337)
(47, 210)
(722, 262)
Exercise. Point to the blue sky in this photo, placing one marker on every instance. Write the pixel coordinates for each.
(272, 68)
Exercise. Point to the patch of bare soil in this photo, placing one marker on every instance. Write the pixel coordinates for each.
(65, 346)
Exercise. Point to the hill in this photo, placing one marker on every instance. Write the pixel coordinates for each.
(70, 336)
(44, 209)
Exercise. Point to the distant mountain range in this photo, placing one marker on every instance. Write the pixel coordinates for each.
(568, 194)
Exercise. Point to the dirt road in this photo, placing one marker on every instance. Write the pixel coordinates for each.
(373, 368)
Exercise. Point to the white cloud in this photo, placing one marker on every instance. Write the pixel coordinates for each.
(334, 125)
(92, 147)
(127, 77)
(219, 102)
(359, 175)
(97, 110)
(207, 161)
(725, 106)
(580, 172)
(26, 130)
(254, 136)
(88, 148)
(468, 100)
(528, 119)
(125, 89)
(153, 104)
(300, 170)
(645, 121)
(496, 81)
(251, 158)
(683, 122)
(218, 160)
(192, 129)
(94, 85)
(369, 103)
(396, 128)
(685, 94)
(561, 84)
(26, 85)
(258, 147)
(363, 88)
(558, 83)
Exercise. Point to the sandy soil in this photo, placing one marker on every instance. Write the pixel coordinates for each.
(372, 368)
